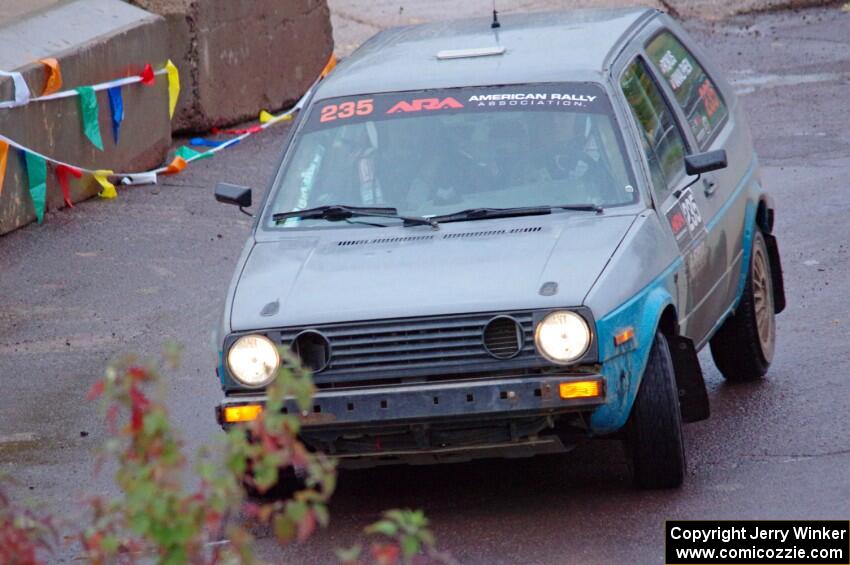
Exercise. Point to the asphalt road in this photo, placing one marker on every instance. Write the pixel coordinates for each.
(153, 265)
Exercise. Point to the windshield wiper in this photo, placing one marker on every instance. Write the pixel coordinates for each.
(339, 212)
(582, 208)
(486, 213)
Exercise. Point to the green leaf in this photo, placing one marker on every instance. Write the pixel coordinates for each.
(426, 537)
(349, 555)
(140, 524)
(296, 510)
(284, 528)
(409, 546)
(109, 544)
(396, 515)
(385, 527)
(417, 518)
(265, 475)
(322, 515)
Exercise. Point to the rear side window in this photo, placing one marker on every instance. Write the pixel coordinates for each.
(695, 92)
(660, 136)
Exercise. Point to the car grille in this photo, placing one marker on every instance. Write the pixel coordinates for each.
(503, 337)
(421, 348)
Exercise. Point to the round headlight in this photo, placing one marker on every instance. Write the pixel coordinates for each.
(253, 360)
(562, 337)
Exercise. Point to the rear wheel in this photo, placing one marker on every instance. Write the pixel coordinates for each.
(654, 429)
(743, 346)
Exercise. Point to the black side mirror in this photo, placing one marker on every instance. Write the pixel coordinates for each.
(234, 194)
(699, 163)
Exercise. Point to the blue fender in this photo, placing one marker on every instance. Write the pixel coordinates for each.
(623, 366)
(749, 232)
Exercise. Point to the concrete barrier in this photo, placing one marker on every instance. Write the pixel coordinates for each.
(240, 56)
(94, 41)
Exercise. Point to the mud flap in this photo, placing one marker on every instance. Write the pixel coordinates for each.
(693, 397)
(775, 272)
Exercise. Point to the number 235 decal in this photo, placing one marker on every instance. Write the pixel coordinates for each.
(691, 211)
(685, 219)
(348, 109)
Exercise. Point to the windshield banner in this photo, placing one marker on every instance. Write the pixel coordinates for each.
(569, 97)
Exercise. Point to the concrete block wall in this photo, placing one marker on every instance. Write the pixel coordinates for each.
(235, 58)
(241, 56)
(94, 41)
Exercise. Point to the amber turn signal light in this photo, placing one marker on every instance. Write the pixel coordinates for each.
(243, 413)
(624, 336)
(580, 389)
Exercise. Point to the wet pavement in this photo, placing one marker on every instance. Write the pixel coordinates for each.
(128, 275)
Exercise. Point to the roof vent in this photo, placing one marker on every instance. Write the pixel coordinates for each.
(470, 53)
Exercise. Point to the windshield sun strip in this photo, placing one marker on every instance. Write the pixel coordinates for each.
(421, 103)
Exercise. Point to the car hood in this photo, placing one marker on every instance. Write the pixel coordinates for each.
(366, 274)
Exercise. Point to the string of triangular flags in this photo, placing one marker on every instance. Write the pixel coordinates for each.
(36, 163)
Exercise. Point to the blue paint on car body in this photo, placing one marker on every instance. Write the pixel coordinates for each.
(749, 232)
(622, 366)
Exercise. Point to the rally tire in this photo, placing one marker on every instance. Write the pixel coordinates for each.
(654, 430)
(743, 346)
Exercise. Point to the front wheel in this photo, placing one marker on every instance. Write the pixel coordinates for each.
(743, 346)
(654, 429)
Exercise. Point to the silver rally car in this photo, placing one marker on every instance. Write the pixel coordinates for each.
(499, 241)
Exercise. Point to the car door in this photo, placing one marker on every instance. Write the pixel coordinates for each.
(708, 125)
(664, 145)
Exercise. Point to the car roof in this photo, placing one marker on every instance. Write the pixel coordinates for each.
(565, 46)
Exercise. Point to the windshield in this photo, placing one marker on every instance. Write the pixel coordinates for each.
(437, 152)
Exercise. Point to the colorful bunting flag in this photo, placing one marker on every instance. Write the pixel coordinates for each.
(62, 171)
(116, 104)
(37, 178)
(108, 189)
(189, 154)
(201, 142)
(22, 91)
(89, 111)
(148, 78)
(176, 165)
(329, 66)
(173, 87)
(53, 76)
(265, 117)
(252, 129)
(36, 164)
(139, 178)
(4, 154)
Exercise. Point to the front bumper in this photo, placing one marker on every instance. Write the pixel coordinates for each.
(351, 422)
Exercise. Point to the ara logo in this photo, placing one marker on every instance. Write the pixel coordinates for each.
(425, 104)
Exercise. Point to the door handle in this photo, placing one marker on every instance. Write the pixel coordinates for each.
(709, 186)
